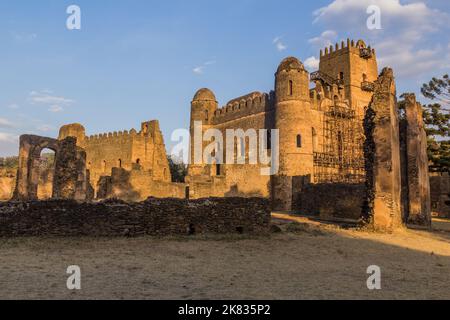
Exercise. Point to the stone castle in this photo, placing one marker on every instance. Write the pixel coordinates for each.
(320, 129)
(342, 150)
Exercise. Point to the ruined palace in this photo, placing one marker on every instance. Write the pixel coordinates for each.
(345, 150)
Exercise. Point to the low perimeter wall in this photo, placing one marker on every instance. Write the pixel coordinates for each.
(332, 200)
(155, 217)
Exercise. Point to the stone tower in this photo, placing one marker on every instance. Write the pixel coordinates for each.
(354, 67)
(293, 120)
(73, 130)
(203, 107)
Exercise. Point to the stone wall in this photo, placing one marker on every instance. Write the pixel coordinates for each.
(440, 194)
(137, 185)
(124, 149)
(7, 183)
(116, 218)
(382, 154)
(415, 177)
(332, 200)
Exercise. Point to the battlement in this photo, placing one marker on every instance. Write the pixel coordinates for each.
(358, 47)
(110, 137)
(249, 104)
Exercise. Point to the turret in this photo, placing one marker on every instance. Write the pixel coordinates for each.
(203, 108)
(353, 66)
(73, 130)
(293, 120)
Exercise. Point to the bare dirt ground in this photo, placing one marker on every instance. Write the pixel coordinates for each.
(305, 261)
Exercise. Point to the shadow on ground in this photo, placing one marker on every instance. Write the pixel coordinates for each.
(302, 261)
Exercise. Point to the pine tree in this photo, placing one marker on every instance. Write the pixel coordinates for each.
(436, 117)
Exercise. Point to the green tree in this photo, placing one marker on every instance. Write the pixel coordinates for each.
(436, 117)
(178, 169)
(9, 162)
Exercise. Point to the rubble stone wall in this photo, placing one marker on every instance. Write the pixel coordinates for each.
(155, 217)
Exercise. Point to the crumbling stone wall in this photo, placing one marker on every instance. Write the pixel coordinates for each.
(137, 185)
(152, 217)
(382, 206)
(70, 176)
(7, 183)
(124, 149)
(415, 180)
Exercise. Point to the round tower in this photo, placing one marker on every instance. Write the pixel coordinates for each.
(203, 108)
(293, 120)
(73, 130)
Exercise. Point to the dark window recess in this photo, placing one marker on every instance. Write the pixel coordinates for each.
(191, 230)
(218, 170)
(299, 141)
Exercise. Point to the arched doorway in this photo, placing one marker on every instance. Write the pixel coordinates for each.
(46, 168)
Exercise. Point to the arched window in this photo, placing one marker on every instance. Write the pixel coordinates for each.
(299, 141)
(119, 163)
(364, 77)
(206, 115)
(138, 161)
(269, 139)
(341, 76)
(291, 87)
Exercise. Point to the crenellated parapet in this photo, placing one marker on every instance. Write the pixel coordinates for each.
(110, 137)
(359, 47)
(253, 103)
(149, 129)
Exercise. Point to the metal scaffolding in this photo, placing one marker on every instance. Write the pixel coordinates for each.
(342, 156)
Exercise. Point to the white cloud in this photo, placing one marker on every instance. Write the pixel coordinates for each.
(404, 41)
(55, 108)
(45, 97)
(326, 39)
(200, 69)
(13, 106)
(312, 63)
(23, 37)
(45, 128)
(279, 44)
(8, 138)
(393, 12)
(9, 144)
(5, 123)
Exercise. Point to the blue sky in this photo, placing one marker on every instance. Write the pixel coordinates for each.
(140, 60)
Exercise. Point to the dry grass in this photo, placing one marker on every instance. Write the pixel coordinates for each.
(305, 261)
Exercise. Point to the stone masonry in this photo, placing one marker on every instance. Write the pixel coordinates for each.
(382, 153)
(153, 217)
